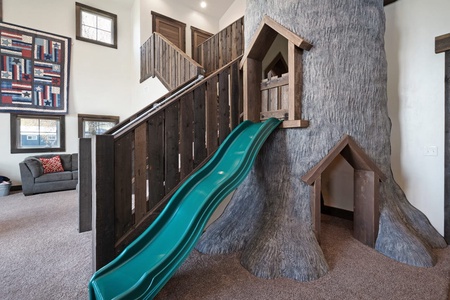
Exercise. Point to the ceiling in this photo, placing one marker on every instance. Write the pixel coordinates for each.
(214, 8)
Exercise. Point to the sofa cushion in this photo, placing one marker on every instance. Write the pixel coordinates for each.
(74, 161)
(35, 166)
(52, 165)
(66, 161)
(53, 177)
(75, 175)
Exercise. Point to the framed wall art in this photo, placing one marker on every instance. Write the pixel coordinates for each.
(34, 69)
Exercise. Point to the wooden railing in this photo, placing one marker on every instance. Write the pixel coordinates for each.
(137, 169)
(222, 47)
(161, 58)
(275, 97)
(85, 167)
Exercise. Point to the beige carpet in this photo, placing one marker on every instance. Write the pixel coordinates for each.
(42, 256)
(357, 272)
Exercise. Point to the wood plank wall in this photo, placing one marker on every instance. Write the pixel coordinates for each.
(153, 157)
(161, 58)
(222, 48)
(275, 97)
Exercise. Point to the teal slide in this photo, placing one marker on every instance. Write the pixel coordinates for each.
(143, 268)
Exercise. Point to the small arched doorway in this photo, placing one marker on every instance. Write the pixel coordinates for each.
(365, 190)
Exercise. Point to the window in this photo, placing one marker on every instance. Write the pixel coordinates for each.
(89, 125)
(96, 26)
(37, 133)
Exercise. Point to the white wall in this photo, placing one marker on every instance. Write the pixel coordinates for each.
(102, 80)
(236, 11)
(176, 10)
(152, 89)
(416, 100)
(279, 45)
(99, 76)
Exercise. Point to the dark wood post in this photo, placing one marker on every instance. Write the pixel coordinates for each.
(103, 239)
(85, 185)
(316, 195)
(442, 44)
(295, 81)
(366, 211)
(447, 150)
(252, 89)
(235, 96)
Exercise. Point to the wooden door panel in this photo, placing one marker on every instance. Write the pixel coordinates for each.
(198, 36)
(173, 30)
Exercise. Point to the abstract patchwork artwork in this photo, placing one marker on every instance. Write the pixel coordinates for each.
(34, 68)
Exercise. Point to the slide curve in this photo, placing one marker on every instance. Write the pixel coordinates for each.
(145, 266)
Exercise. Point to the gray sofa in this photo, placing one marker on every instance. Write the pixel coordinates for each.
(34, 180)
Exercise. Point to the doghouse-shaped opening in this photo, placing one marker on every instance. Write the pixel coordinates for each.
(366, 195)
(277, 96)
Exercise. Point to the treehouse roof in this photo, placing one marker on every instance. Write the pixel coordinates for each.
(265, 35)
(352, 153)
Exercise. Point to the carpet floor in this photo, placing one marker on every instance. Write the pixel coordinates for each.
(42, 256)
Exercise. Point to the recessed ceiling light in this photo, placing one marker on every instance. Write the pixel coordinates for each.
(203, 4)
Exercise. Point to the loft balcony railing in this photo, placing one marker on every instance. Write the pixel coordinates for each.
(161, 58)
(222, 48)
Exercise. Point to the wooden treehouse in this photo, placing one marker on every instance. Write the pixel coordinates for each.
(366, 181)
(275, 96)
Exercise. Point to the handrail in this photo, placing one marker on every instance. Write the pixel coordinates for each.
(146, 108)
(139, 163)
(155, 106)
(162, 103)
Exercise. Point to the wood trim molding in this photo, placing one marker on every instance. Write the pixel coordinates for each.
(351, 152)
(158, 19)
(447, 150)
(265, 35)
(386, 2)
(442, 43)
(198, 36)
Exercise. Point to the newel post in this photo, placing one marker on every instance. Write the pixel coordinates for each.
(85, 185)
(103, 239)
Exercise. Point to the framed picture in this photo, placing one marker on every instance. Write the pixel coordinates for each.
(34, 71)
(89, 125)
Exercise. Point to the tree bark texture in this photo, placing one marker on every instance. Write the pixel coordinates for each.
(344, 92)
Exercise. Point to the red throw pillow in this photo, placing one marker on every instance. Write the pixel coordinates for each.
(52, 165)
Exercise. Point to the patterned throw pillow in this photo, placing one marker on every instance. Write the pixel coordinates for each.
(52, 165)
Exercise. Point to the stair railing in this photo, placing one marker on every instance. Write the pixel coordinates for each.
(222, 48)
(161, 58)
(134, 173)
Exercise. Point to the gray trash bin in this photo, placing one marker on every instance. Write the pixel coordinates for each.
(4, 188)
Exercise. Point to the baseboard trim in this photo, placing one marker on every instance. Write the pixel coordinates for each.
(16, 188)
(337, 212)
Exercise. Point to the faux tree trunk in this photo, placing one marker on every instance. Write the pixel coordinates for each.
(269, 216)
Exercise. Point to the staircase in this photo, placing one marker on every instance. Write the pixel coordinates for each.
(128, 174)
